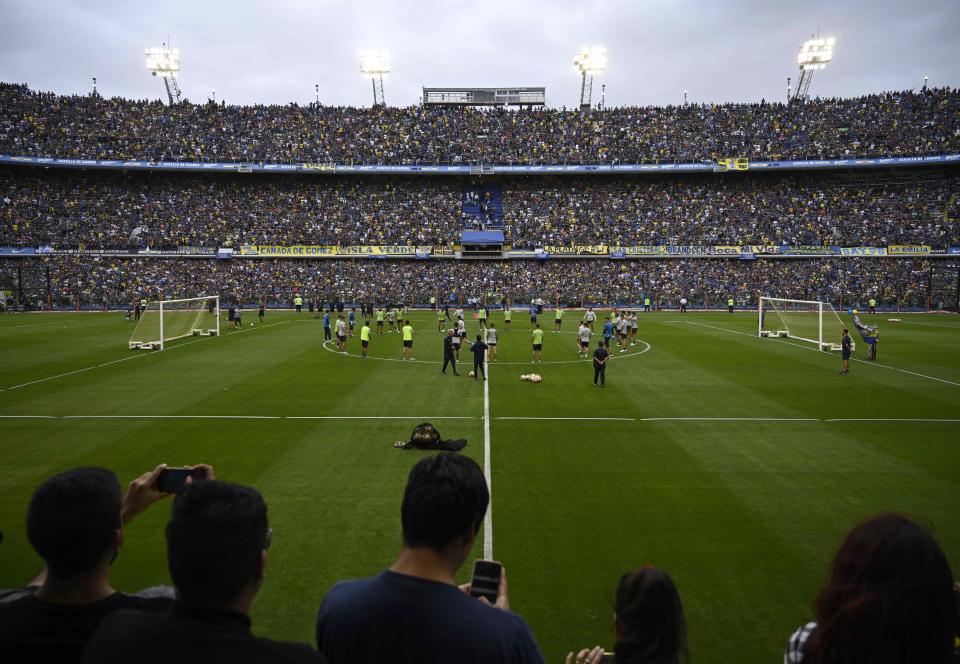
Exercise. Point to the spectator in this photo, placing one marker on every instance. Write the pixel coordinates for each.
(414, 612)
(886, 124)
(890, 599)
(906, 282)
(648, 620)
(217, 542)
(75, 523)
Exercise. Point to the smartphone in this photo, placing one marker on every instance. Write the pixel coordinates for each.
(486, 580)
(608, 658)
(173, 480)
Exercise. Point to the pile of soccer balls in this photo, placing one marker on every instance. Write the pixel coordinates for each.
(533, 378)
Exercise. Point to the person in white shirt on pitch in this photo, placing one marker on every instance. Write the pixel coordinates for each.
(492, 343)
(583, 339)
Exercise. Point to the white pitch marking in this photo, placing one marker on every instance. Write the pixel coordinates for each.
(380, 417)
(172, 417)
(488, 521)
(63, 323)
(586, 419)
(239, 417)
(132, 357)
(888, 419)
(732, 419)
(947, 326)
(854, 359)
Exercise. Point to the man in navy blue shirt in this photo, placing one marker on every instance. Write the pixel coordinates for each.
(479, 357)
(414, 612)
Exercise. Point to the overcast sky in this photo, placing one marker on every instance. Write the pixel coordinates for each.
(274, 52)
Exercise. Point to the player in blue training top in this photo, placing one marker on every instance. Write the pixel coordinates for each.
(607, 331)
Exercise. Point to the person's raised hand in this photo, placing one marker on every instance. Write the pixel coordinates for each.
(141, 494)
(586, 656)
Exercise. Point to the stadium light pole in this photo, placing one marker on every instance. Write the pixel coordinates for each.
(375, 64)
(165, 63)
(813, 56)
(316, 89)
(684, 97)
(589, 62)
(94, 86)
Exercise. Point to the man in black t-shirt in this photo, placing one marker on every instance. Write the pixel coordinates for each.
(75, 523)
(479, 357)
(414, 612)
(600, 357)
(217, 542)
(448, 353)
(846, 345)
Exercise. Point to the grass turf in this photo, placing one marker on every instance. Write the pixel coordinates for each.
(745, 514)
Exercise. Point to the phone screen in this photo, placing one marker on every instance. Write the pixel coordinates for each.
(486, 580)
(173, 480)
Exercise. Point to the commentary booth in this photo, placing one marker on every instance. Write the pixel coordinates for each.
(481, 244)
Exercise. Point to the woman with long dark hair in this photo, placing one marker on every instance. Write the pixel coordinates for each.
(890, 599)
(648, 621)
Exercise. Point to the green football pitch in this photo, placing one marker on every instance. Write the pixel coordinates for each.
(735, 463)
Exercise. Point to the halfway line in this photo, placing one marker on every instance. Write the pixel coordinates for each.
(488, 521)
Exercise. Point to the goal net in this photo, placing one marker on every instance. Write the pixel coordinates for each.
(805, 320)
(166, 320)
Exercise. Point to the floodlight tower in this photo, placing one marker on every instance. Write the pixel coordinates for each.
(814, 55)
(589, 62)
(374, 64)
(165, 62)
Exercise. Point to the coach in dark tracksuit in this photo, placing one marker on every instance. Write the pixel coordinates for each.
(448, 356)
(600, 356)
(479, 357)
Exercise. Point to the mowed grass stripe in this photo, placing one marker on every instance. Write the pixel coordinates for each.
(745, 514)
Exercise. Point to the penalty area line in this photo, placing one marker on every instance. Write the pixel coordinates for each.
(132, 357)
(854, 359)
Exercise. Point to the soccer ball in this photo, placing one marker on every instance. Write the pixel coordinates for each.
(471, 374)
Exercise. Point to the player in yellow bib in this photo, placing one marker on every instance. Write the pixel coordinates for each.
(365, 338)
(507, 315)
(407, 341)
(537, 335)
(379, 316)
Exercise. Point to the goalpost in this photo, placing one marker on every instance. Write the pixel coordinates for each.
(804, 320)
(165, 320)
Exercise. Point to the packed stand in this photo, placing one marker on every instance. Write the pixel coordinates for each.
(906, 123)
(117, 210)
(116, 282)
(109, 210)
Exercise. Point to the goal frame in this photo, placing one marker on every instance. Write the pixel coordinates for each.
(161, 342)
(820, 306)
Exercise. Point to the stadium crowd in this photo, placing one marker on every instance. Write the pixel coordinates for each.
(119, 281)
(890, 597)
(908, 123)
(104, 210)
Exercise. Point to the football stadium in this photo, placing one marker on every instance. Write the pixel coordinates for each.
(643, 339)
